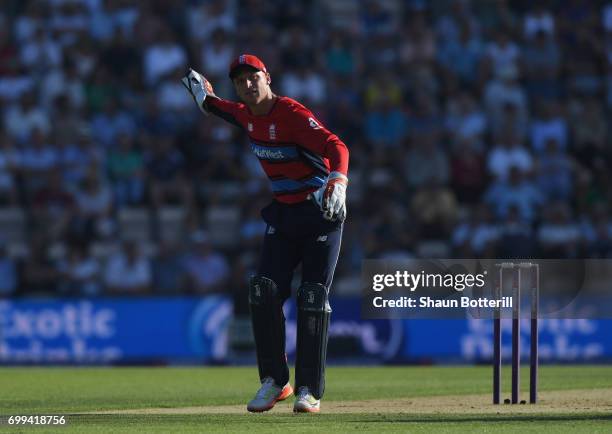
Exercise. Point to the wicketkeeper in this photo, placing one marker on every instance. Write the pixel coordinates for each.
(307, 166)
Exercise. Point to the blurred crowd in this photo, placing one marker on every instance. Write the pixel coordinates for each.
(476, 129)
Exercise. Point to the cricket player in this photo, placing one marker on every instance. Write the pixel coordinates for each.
(307, 166)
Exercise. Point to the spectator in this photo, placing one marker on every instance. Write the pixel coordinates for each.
(85, 61)
(502, 55)
(590, 132)
(453, 19)
(376, 20)
(507, 154)
(465, 120)
(386, 233)
(40, 275)
(67, 121)
(606, 15)
(9, 59)
(162, 57)
(10, 164)
(28, 24)
(601, 247)
(80, 273)
(503, 92)
(304, 83)
(549, 124)
(41, 53)
(554, 172)
(220, 164)
(478, 236)
(171, 95)
(515, 191)
(348, 122)
(155, 121)
(385, 125)
(516, 237)
(435, 208)
(252, 226)
(340, 58)
(94, 207)
(418, 42)
(542, 60)
(165, 166)
(80, 158)
(38, 159)
(120, 55)
(9, 277)
(381, 52)
(539, 21)
(107, 126)
(583, 63)
(206, 270)
(559, 236)
(23, 118)
(53, 207)
(128, 271)
(204, 19)
(468, 172)
(63, 82)
(425, 119)
(596, 230)
(168, 272)
(462, 56)
(126, 172)
(424, 159)
(216, 54)
(68, 21)
(383, 89)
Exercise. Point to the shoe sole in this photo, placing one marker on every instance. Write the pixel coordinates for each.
(285, 393)
(306, 409)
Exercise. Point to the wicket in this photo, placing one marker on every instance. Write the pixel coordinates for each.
(534, 272)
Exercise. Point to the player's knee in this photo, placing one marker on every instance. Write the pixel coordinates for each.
(262, 290)
(313, 297)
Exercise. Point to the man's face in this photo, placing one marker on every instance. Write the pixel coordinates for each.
(252, 86)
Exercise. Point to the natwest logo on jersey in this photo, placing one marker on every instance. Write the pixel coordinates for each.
(274, 153)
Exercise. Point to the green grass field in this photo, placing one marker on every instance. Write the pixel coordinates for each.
(369, 399)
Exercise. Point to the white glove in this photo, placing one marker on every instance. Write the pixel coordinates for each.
(331, 198)
(199, 88)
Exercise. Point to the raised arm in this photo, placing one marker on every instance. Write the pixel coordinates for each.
(204, 96)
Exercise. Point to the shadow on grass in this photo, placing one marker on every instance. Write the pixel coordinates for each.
(488, 418)
(132, 419)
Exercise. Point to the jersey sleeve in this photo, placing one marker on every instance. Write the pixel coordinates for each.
(226, 110)
(312, 135)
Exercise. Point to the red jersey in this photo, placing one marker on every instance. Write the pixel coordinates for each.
(295, 150)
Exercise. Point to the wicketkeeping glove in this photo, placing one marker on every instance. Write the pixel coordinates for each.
(332, 197)
(199, 88)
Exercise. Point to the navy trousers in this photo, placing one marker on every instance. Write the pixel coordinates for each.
(295, 234)
(298, 233)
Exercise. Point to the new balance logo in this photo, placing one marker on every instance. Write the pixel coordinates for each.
(271, 230)
(322, 238)
(272, 131)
